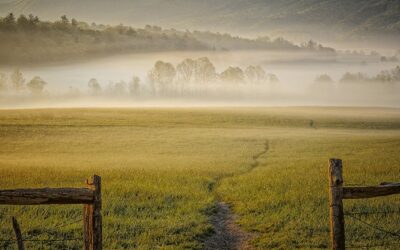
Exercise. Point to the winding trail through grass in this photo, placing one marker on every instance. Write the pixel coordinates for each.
(227, 234)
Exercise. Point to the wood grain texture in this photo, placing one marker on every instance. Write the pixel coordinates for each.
(93, 235)
(371, 191)
(18, 234)
(337, 233)
(97, 217)
(46, 196)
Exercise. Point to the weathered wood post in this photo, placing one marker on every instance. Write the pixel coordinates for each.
(92, 218)
(89, 196)
(336, 204)
(18, 234)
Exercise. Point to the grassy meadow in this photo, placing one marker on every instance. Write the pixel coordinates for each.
(164, 169)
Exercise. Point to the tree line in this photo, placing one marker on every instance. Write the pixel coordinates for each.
(28, 39)
(385, 76)
(15, 83)
(189, 77)
(386, 80)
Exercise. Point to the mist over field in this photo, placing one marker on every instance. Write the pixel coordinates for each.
(120, 57)
(201, 124)
(272, 78)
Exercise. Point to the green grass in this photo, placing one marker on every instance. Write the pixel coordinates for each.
(162, 170)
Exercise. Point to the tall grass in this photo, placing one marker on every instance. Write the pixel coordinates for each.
(162, 170)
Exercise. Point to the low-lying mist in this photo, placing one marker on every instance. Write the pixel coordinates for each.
(213, 79)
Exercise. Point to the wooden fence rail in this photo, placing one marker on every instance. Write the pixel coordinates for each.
(370, 191)
(89, 196)
(337, 193)
(46, 196)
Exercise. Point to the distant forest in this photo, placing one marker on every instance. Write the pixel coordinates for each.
(27, 39)
(375, 22)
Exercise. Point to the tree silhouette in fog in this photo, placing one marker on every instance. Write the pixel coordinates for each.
(94, 87)
(233, 75)
(161, 76)
(36, 85)
(17, 81)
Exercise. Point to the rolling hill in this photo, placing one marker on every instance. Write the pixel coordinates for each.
(325, 20)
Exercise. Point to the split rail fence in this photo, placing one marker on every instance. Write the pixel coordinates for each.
(89, 196)
(338, 192)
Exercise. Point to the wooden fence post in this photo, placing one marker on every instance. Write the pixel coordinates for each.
(18, 234)
(89, 196)
(92, 217)
(336, 204)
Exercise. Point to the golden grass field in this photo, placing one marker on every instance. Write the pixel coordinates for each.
(163, 169)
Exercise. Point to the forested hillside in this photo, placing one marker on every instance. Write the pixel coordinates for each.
(27, 39)
(318, 19)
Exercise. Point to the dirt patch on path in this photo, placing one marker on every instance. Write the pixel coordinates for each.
(228, 235)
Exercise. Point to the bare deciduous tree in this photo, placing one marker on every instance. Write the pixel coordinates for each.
(162, 76)
(204, 70)
(134, 86)
(233, 75)
(94, 87)
(36, 85)
(17, 81)
(185, 70)
(256, 74)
